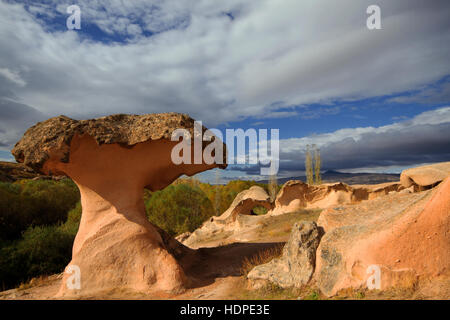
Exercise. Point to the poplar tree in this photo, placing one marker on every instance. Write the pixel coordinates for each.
(317, 165)
(309, 166)
(273, 187)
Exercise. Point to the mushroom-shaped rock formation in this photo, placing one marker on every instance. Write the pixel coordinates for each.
(425, 177)
(112, 159)
(406, 235)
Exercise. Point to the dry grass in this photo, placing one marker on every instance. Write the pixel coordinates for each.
(279, 227)
(261, 257)
(270, 291)
(33, 283)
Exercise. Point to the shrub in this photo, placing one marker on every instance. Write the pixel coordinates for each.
(260, 210)
(179, 208)
(33, 203)
(46, 249)
(43, 250)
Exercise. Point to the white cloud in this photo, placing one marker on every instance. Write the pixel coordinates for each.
(13, 76)
(424, 138)
(291, 52)
(271, 56)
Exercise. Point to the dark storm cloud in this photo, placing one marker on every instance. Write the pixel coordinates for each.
(418, 144)
(15, 119)
(423, 139)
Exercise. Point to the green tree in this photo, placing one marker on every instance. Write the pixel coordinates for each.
(309, 165)
(179, 208)
(317, 165)
(273, 187)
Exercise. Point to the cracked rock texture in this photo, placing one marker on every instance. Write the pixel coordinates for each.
(296, 265)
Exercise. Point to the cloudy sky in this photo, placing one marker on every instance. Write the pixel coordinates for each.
(372, 100)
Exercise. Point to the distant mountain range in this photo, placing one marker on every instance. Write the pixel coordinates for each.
(348, 178)
(10, 172)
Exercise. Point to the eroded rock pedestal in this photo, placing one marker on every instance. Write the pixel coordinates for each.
(112, 160)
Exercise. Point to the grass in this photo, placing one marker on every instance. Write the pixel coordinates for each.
(270, 291)
(280, 226)
(260, 210)
(312, 295)
(261, 257)
(34, 282)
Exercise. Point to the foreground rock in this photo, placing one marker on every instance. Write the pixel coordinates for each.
(425, 177)
(406, 236)
(112, 159)
(296, 266)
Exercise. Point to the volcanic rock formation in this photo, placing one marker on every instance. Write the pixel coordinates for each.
(406, 235)
(296, 195)
(425, 177)
(235, 218)
(112, 159)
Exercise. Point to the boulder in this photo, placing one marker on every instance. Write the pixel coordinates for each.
(296, 266)
(296, 195)
(244, 202)
(426, 176)
(405, 235)
(236, 218)
(112, 159)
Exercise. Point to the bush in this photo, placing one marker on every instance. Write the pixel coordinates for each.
(221, 196)
(179, 208)
(34, 203)
(46, 249)
(43, 250)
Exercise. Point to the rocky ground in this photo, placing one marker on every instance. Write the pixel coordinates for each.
(10, 172)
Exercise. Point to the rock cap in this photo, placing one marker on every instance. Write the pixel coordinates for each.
(55, 134)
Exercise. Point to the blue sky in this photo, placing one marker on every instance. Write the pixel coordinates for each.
(313, 71)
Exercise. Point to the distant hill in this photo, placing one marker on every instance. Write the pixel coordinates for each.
(348, 178)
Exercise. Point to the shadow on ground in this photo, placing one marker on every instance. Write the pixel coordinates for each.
(204, 265)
